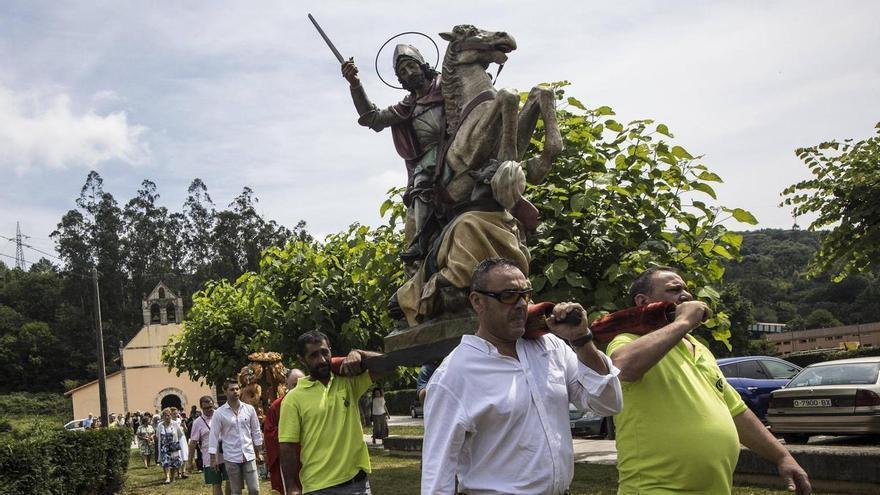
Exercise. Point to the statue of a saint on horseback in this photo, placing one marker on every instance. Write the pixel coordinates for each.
(463, 142)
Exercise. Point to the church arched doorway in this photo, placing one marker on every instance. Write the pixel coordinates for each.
(172, 400)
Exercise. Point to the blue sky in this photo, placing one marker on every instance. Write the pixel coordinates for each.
(245, 93)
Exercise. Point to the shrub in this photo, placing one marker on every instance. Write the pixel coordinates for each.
(62, 462)
(398, 401)
(808, 359)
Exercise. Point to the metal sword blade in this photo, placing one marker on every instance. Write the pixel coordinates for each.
(326, 39)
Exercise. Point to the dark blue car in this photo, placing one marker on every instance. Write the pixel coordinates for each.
(754, 377)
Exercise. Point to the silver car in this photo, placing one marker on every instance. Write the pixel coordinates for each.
(75, 425)
(831, 398)
(588, 423)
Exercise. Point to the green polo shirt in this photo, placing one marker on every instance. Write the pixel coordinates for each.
(325, 421)
(675, 433)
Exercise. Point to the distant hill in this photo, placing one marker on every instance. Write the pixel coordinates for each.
(771, 277)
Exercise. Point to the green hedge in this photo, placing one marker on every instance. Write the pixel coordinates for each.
(90, 462)
(398, 401)
(808, 359)
(21, 403)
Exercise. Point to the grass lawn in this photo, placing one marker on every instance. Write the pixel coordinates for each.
(407, 431)
(391, 476)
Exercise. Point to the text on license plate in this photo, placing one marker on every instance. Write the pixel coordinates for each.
(812, 403)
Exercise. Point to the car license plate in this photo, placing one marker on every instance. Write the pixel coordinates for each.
(812, 403)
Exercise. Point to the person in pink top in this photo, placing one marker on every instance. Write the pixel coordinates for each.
(199, 439)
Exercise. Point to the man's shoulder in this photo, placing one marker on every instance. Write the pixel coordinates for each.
(621, 339)
(456, 364)
(276, 404)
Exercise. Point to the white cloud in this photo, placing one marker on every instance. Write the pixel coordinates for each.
(43, 130)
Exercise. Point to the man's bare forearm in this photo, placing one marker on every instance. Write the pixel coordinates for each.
(757, 438)
(288, 460)
(590, 356)
(636, 358)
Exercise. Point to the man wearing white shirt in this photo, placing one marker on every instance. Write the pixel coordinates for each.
(236, 426)
(496, 414)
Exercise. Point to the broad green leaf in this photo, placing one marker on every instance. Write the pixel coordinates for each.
(576, 280)
(744, 216)
(706, 188)
(680, 152)
(576, 103)
(604, 110)
(556, 271)
(709, 176)
(662, 129)
(708, 293)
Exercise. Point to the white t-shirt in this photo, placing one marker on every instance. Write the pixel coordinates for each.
(378, 406)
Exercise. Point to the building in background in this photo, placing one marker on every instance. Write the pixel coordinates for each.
(760, 329)
(826, 339)
(144, 383)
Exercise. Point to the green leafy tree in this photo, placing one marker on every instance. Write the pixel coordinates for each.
(821, 318)
(340, 286)
(221, 329)
(199, 213)
(622, 198)
(846, 179)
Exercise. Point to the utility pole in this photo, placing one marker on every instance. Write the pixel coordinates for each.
(19, 251)
(124, 385)
(102, 373)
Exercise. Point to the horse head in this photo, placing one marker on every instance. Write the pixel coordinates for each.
(476, 46)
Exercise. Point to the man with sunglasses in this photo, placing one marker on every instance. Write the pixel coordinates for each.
(496, 414)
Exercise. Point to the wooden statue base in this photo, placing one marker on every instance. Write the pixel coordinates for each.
(429, 341)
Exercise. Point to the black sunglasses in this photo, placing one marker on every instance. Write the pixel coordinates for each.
(509, 296)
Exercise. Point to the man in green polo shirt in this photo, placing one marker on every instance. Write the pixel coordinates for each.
(321, 414)
(682, 424)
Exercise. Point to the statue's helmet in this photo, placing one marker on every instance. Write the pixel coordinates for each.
(404, 52)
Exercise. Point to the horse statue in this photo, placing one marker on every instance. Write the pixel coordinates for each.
(480, 179)
(487, 123)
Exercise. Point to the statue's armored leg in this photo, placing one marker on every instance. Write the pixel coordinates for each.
(422, 213)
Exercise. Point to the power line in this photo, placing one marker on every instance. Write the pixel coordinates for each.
(16, 260)
(19, 244)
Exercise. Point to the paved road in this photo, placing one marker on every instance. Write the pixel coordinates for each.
(598, 451)
(405, 421)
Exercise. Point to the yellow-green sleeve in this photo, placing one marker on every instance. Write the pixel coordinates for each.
(620, 341)
(732, 399)
(289, 421)
(360, 384)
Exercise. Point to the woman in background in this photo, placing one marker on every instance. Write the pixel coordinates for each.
(169, 434)
(379, 415)
(146, 435)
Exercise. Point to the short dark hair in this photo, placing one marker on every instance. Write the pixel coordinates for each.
(228, 382)
(204, 399)
(481, 271)
(310, 337)
(644, 281)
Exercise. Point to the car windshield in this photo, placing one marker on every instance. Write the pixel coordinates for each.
(837, 374)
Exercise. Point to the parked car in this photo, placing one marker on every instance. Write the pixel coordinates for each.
(832, 398)
(75, 425)
(589, 424)
(416, 410)
(754, 377)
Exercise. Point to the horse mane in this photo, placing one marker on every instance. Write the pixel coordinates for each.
(451, 88)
